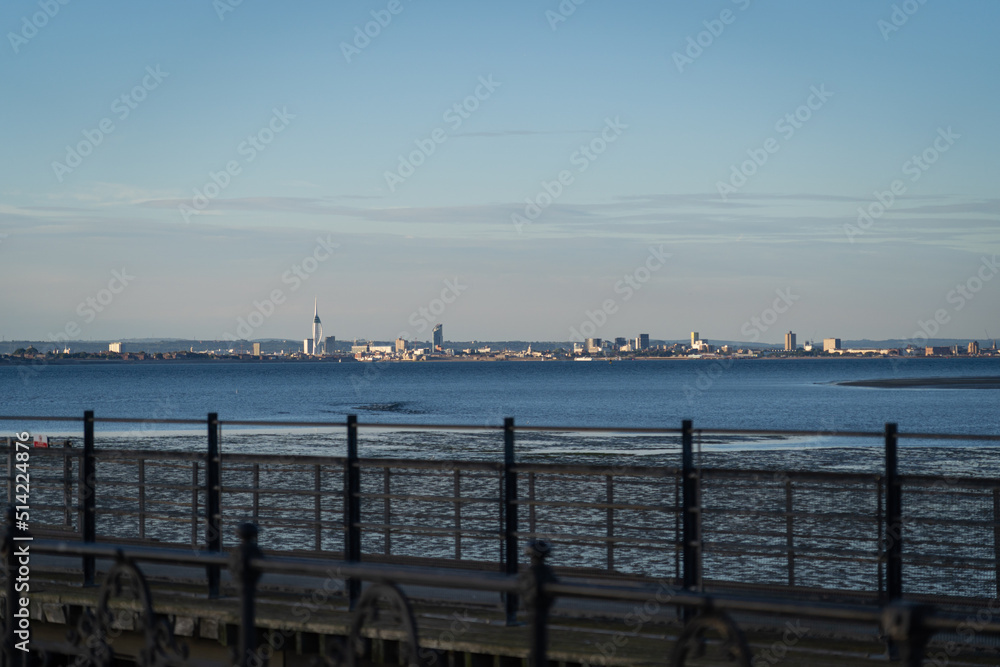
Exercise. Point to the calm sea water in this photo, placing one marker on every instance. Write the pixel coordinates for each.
(750, 394)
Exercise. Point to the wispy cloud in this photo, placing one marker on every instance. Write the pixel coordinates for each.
(520, 133)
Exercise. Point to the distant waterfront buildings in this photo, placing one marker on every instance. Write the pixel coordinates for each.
(405, 350)
(438, 337)
(694, 338)
(789, 342)
(315, 346)
(317, 330)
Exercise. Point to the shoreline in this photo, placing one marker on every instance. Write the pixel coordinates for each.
(463, 359)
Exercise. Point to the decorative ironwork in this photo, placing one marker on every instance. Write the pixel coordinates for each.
(383, 605)
(693, 640)
(98, 627)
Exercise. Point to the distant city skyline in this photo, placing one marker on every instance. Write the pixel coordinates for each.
(510, 170)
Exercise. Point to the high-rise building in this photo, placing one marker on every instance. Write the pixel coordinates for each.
(694, 338)
(620, 343)
(438, 337)
(974, 347)
(789, 342)
(256, 349)
(400, 345)
(593, 345)
(117, 348)
(642, 343)
(329, 343)
(317, 332)
(831, 344)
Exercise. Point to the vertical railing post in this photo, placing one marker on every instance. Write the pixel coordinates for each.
(86, 496)
(67, 489)
(899, 645)
(387, 510)
(539, 601)
(610, 482)
(893, 517)
(318, 507)
(457, 489)
(142, 499)
(195, 505)
(789, 531)
(678, 525)
(248, 575)
(352, 508)
(509, 514)
(213, 501)
(691, 529)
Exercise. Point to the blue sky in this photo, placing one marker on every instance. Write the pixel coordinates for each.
(738, 138)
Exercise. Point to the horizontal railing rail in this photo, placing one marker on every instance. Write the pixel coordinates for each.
(521, 428)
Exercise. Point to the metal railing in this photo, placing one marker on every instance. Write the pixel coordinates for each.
(701, 528)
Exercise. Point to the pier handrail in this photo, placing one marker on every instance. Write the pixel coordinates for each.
(677, 517)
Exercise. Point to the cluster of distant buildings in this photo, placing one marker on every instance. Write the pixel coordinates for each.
(640, 345)
(699, 347)
(833, 346)
(319, 345)
(599, 346)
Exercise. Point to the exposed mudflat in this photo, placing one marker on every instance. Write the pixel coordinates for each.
(984, 382)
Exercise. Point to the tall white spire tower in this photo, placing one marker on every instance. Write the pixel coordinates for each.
(317, 331)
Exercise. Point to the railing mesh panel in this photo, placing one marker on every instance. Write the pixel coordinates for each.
(781, 529)
(950, 536)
